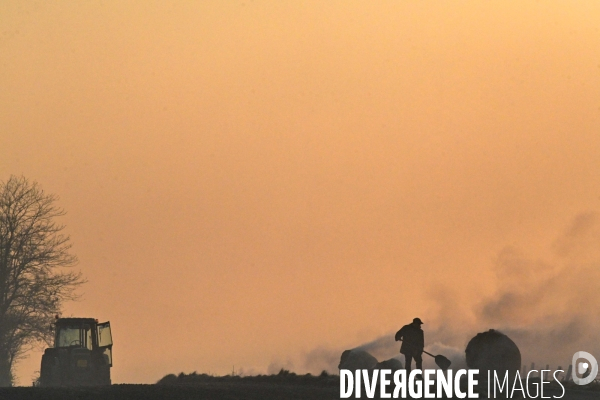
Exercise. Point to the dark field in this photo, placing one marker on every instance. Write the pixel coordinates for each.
(204, 391)
(204, 387)
(207, 391)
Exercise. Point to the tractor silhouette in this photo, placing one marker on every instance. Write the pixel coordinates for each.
(81, 356)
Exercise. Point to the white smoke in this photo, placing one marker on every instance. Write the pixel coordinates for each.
(547, 305)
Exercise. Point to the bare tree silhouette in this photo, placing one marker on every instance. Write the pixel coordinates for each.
(33, 284)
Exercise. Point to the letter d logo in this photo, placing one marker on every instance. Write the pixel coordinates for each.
(582, 367)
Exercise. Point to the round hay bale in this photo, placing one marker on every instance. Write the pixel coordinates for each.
(393, 363)
(493, 351)
(357, 359)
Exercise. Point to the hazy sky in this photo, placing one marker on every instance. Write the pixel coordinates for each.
(246, 182)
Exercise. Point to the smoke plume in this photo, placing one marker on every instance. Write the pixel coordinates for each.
(548, 305)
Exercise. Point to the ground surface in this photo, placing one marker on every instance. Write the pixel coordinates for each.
(284, 386)
(201, 391)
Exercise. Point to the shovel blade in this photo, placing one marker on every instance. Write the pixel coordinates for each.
(442, 362)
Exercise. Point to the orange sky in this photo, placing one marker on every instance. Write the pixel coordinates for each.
(248, 181)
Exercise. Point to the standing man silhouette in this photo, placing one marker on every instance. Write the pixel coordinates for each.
(413, 343)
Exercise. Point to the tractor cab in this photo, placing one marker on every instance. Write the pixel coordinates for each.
(81, 356)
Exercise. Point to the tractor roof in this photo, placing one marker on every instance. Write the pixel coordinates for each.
(76, 321)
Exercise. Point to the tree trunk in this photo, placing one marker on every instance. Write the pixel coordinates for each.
(6, 378)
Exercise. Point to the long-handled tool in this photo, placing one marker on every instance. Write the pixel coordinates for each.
(440, 360)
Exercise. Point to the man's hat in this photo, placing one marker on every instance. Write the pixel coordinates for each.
(417, 321)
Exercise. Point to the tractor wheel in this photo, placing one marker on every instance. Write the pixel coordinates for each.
(46, 369)
(103, 376)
